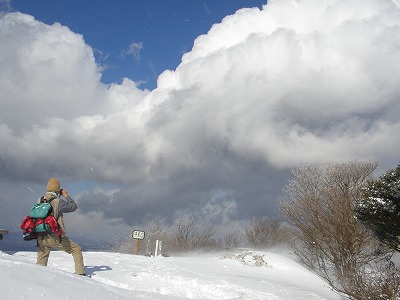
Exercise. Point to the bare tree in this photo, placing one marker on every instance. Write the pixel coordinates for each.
(330, 240)
(123, 245)
(156, 230)
(232, 240)
(185, 230)
(190, 235)
(267, 232)
(202, 237)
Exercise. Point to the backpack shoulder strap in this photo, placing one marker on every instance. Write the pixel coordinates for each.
(43, 200)
(51, 199)
(54, 213)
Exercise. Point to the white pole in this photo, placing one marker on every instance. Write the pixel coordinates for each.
(156, 251)
(159, 248)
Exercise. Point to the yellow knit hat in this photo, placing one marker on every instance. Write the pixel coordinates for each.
(53, 185)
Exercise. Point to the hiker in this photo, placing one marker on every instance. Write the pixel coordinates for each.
(49, 241)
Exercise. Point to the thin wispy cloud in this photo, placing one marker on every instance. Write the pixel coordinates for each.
(206, 9)
(133, 50)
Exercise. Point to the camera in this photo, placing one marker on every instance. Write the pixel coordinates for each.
(61, 190)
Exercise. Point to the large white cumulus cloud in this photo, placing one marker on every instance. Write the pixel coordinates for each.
(45, 71)
(54, 106)
(300, 81)
(305, 81)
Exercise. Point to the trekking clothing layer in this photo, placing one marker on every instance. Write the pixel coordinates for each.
(53, 185)
(49, 241)
(60, 206)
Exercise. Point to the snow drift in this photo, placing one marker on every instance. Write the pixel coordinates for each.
(242, 275)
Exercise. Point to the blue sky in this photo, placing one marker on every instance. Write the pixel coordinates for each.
(135, 39)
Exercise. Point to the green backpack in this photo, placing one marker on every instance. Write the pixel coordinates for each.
(41, 221)
(41, 211)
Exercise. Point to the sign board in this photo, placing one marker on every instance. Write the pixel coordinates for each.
(138, 234)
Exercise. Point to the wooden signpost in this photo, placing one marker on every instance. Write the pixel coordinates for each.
(138, 235)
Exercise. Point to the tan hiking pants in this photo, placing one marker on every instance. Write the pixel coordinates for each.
(47, 242)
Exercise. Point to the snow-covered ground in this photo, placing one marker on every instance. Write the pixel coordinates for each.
(250, 275)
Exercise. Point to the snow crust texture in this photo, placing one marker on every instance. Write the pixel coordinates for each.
(247, 275)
